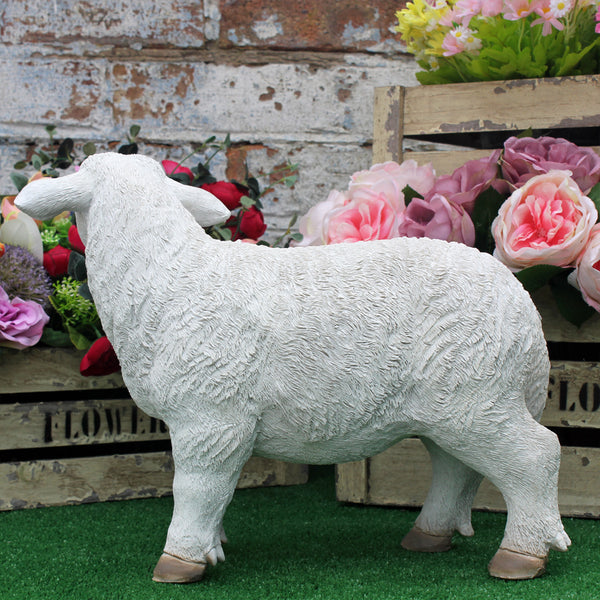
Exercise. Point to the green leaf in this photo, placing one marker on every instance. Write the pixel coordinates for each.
(134, 131)
(297, 237)
(78, 339)
(409, 194)
(76, 268)
(50, 129)
(20, 181)
(89, 148)
(536, 277)
(20, 165)
(525, 133)
(485, 211)
(569, 301)
(36, 162)
(594, 196)
(247, 202)
(56, 338)
(84, 291)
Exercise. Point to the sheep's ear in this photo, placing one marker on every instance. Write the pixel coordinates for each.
(206, 208)
(47, 197)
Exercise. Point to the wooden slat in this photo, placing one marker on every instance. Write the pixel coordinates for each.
(388, 115)
(48, 370)
(119, 477)
(557, 329)
(503, 105)
(76, 423)
(401, 476)
(352, 481)
(573, 395)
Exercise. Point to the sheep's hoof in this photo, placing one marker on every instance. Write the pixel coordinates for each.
(170, 569)
(419, 541)
(508, 564)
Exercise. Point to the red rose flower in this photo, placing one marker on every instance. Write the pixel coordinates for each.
(171, 167)
(252, 224)
(228, 193)
(100, 359)
(75, 240)
(56, 261)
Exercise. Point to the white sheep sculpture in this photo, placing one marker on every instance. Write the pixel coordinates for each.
(318, 355)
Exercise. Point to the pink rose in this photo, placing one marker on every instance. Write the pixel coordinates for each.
(370, 217)
(547, 221)
(312, 224)
(524, 158)
(588, 270)
(390, 178)
(468, 181)
(437, 218)
(21, 322)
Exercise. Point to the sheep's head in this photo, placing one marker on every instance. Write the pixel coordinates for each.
(46, 198)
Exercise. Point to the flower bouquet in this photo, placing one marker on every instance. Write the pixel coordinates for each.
(44, 297)
(485, 40)
(533, 204)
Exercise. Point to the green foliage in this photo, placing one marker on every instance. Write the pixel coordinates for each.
(485, 211)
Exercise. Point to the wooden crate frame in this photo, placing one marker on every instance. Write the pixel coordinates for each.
(69, 439)
(401, 475)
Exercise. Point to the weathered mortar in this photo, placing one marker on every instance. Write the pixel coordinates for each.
(291, 80)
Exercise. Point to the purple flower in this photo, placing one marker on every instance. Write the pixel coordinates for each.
(437, 218)
(525, 158)
(22, 275)
(21, 322)
(468, 181)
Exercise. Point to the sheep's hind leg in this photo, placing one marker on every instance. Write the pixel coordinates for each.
(447, 507)
(521, 458)
(203, 486)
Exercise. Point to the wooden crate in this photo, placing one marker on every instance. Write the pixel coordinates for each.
(68, 439)
(468, 121)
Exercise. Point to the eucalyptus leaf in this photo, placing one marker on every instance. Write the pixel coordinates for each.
(89, 148)
(594, 196)
(76, 268)
(134, 130)
(19, 181)
(247, 202)
(536, 277)
(569, 301)
(56, 338)
(84, 291)
(486, 209)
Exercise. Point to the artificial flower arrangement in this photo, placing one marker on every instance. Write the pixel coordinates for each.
(44, 298)
(534, 205)
(485, 40)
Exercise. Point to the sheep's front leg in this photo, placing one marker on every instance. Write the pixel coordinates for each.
(207, 468)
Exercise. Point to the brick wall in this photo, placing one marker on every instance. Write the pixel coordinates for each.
(288, 80)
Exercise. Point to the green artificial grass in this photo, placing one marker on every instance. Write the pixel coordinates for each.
(293, 542)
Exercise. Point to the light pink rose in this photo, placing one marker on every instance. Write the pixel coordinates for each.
(370, 217)
(312, 224)
(437, 218)
(588, 270)
(390, 178)
(547, 221)
(21, 322)
(524, 158)
(468, 181)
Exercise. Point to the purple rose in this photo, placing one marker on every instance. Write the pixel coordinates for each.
(468, 181)
(525, 158)
(437, 218)
(21, 322)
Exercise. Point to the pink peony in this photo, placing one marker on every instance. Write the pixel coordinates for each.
(370, 217)
(468, 181)
(437, 218)
(547, 221)
(21, 322)
(524, 158)
(312, 224)
(588, 270)
(390, 178)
